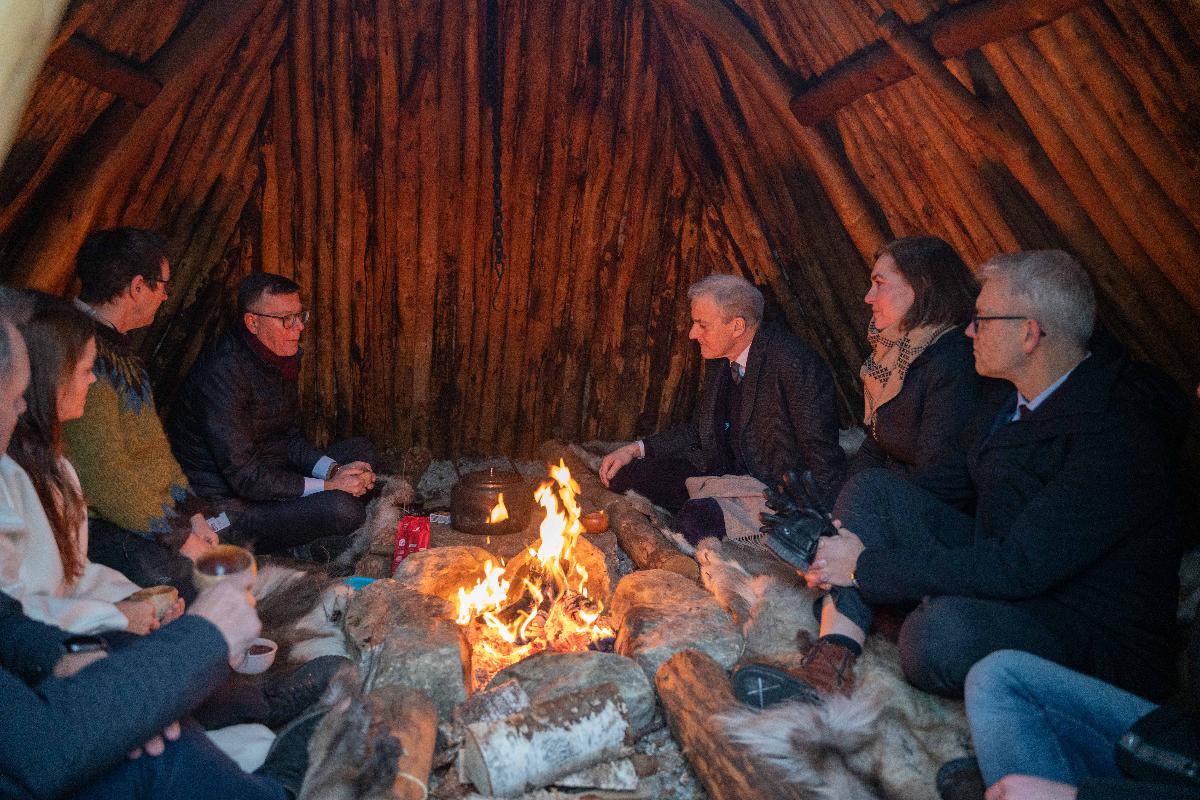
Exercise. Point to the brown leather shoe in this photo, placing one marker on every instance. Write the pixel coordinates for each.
(828, 667)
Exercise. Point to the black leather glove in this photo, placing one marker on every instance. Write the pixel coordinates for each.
(799, 521)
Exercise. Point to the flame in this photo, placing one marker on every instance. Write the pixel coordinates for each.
(499, 512)
(549, 608)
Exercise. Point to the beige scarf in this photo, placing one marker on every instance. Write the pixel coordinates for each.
(891, 354)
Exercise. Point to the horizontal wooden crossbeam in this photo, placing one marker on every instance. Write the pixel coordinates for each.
(951, 33)
(94, 65)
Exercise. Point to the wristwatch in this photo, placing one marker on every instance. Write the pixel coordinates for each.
(85, 644)
(333, 470)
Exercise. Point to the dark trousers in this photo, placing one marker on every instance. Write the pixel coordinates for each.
(279, 524)
(660, 480)
(943, 638)
(145, 561)
(191, 767)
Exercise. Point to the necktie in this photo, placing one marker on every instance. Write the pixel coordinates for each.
(736, 370)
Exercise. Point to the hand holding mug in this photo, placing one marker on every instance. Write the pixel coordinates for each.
(222, 562)
(229, 606)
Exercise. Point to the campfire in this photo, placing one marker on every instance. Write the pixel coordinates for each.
(540, 599)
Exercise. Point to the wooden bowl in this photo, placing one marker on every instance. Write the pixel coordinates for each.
(595, 521)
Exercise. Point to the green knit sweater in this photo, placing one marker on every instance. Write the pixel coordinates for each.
(129, 475)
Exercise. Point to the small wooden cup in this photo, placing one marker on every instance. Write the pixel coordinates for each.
(221, 562)
(595, 521)
(163, 598)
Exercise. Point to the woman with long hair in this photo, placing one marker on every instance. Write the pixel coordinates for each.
(920, 389)
(43, 533)
(919, 380)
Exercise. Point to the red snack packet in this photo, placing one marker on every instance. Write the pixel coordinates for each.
(412, 535)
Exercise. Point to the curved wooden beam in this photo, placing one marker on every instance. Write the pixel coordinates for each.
(120, 139)
(950, 33)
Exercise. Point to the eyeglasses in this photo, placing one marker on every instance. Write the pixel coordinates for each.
(288, 321)
(978, 318)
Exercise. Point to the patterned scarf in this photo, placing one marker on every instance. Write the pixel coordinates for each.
(891, 355)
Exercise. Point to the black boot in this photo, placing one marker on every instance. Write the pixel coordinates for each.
(287, 760)
(289, 695)
(960, 779)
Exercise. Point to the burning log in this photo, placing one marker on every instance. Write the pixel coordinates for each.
(534, 748)
(648, 548)
(693, 689)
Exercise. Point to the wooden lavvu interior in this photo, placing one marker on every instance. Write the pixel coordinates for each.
(643, 144)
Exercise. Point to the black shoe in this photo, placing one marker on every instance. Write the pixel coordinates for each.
(290, 695)
(320, 551)
(761, 685)
(960, 779)
(287, 760)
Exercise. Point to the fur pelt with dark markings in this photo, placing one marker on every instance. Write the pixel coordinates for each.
(887, 740)
(301, 611)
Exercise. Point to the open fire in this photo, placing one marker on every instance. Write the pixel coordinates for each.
(539, 600)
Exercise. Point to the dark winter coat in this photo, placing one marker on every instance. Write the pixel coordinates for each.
(236, 427)
(1075, 518)
(29, 649)
(918, 432)
(787, 417)
(61, 734)
(1158, 748)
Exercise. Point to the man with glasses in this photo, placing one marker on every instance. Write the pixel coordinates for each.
(236, 431)
(1072, 552)
(145, 520)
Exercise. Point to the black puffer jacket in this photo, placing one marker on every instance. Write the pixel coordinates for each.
(787, 417)
(236, 426)
(1075, 519)
(917, 433)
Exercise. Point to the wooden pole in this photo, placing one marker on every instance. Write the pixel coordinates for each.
(120, 139)
(717, 23)
(1019, 151)
(951, 34)
(693, 689)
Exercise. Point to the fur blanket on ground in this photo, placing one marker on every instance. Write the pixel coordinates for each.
(301, 611)
(886, 741)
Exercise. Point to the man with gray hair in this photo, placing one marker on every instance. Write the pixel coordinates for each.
(767, 406)
(1073, 550)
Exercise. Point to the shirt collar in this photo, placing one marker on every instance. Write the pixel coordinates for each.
(1032, 405)
(743, 359)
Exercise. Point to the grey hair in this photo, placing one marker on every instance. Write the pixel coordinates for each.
(1054, 288)
(16, 306)
(734, 296)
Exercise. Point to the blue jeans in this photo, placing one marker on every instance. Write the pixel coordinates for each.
(192, 768)
(1030, 716)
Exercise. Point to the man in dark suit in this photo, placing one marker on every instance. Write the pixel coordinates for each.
(767, 406)
(1072, 553)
